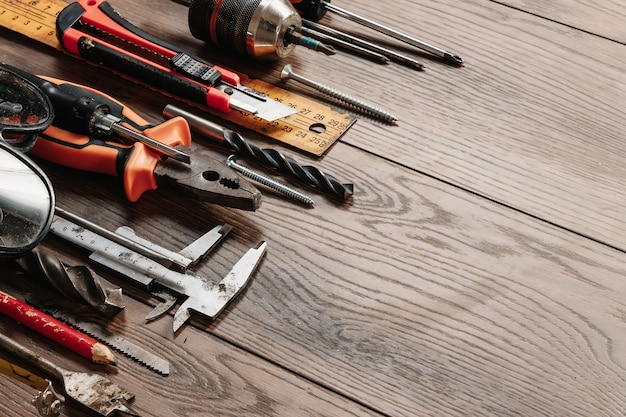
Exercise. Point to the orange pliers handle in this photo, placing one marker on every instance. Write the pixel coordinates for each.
(133, 163)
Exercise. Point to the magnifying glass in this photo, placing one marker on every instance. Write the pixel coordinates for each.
(26, 195)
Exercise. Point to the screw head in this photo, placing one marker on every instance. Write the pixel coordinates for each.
(287, 72)
(231, 160)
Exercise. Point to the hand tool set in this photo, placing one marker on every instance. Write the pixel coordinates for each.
(308, 174)
(200, 293)
(80, 127)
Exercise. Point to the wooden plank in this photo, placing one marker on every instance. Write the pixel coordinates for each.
(415, 298)
(604, 19)
(534, 120)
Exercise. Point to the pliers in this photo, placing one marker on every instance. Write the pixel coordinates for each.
(140, 167)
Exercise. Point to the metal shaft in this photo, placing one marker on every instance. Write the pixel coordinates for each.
(262, 179)
(110, 123)
(232, 140)
(293, 36)
(362, 43)
(447, 56)
(167, 261)
(351, 47)
(288, 73)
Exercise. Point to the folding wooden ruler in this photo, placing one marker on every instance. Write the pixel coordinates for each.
(313, 129)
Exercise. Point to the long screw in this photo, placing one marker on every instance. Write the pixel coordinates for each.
(262, 179)
(271, 157)
(288, 73)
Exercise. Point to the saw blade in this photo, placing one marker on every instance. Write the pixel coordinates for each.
(95, 330)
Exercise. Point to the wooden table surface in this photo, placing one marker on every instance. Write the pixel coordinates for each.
(477, 270)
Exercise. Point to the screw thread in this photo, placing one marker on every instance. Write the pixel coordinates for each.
(358, 103)
(288, 73)
(268, 182)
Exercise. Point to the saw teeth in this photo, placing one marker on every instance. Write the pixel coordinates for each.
(98, 332)
(164, 369)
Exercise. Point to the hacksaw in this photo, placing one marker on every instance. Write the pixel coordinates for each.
(314, 128)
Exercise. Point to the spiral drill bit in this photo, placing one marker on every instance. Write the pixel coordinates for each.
(270, 157)
(76, 282)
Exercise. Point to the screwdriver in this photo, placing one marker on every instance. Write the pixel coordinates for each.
(80, 110)
(316, 9)
(262, 29)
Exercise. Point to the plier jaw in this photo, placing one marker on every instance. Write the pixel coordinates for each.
(207, 179)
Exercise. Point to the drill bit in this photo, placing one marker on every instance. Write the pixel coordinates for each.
(355, 41)
(75, 282)
(295, 37)
(342, 44)
(271, 157)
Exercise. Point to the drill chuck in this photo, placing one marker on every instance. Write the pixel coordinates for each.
(258, 28)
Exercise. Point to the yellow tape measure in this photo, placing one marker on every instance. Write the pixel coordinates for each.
(314, 129)
(35, 19)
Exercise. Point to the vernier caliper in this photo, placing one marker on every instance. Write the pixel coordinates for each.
(157, 268)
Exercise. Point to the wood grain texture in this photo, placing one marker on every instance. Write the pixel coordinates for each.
(457, 281)
(534, 120)
(604, 19)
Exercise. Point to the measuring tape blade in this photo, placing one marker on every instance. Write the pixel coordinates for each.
(314, 129)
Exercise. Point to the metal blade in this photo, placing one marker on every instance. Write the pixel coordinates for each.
(248, 100)
(137, 353)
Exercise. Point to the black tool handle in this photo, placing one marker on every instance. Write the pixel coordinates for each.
(310, 9)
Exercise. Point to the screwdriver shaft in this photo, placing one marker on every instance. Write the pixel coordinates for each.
(109, 123)
(351, 47)
(270, 157)
(167, 261)
(293, 36)
(353, 40)
(441, 53)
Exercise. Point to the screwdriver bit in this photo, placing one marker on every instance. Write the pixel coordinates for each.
(271, 157)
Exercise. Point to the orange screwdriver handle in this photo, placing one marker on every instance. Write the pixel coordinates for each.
(134, 164)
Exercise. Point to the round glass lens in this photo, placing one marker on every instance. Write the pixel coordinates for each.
(26, 204)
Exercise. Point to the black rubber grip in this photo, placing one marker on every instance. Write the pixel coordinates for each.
(311, 9)
(141, 72)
